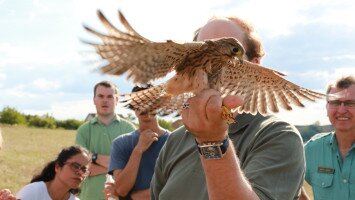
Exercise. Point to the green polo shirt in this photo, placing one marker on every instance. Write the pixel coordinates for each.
(97, 138)
(330, 176)
(270, 152)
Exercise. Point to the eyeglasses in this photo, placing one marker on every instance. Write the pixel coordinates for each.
(76, 167)
(337, 103)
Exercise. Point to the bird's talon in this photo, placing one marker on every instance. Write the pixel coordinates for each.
(227, 115)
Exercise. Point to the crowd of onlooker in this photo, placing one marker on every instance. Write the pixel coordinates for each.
(256, 157)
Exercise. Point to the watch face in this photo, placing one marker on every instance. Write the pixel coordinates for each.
(94, 157)
(211, 152)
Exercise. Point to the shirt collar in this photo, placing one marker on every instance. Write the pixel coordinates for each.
(333, 141)
(96, 120)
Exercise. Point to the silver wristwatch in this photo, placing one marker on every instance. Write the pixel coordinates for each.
(213, 150)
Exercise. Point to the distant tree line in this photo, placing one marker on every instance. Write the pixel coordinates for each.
(168, 125)
(13, 117)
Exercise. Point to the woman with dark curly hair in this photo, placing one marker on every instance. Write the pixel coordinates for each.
(60, 178)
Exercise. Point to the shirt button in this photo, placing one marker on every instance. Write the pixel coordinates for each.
(323, 183)
(345, 181)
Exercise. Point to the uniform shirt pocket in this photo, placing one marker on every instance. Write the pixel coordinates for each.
(322, 185)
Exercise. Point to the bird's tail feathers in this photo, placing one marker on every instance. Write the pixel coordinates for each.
(155, 100)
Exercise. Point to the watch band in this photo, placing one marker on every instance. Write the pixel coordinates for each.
(94, 158)
(213, 150)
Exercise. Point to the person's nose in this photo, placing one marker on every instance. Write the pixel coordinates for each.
(342, 108)
(81, 173)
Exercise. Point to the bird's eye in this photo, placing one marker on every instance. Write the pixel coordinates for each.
(235, 50)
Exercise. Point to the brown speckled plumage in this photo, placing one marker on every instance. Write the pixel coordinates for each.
(214, 64)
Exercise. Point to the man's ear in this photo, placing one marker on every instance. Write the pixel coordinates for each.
(256, 60)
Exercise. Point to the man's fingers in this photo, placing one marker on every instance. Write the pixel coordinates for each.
(214, 106)
(232, 101)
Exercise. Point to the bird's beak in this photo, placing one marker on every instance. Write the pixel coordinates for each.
(241, 60)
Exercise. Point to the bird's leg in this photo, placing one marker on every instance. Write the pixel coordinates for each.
(227, 115)
(178, 84)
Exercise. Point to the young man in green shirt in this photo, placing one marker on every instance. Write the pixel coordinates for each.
(97, 135)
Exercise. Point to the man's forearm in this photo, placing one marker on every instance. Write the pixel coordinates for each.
(100, 166)
(225, 179)
(126, 177)
(103, 160)
(97, 170)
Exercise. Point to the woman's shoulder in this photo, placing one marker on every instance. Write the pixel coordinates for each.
(32, 190)
(35, 185)
(73, 197)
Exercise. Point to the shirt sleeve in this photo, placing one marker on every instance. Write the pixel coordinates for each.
(22, 193)
(306, 151)
(29, 192)
(120, 153)
(275, 164)
(82, 136)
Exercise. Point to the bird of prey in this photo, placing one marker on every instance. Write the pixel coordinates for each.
(216, 64)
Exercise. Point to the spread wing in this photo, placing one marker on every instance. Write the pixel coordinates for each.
(142, 59)
(155, 100)
(263, 89)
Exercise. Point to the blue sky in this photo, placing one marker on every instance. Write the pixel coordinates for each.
(44, 68)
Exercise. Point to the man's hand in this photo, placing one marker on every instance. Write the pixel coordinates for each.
(304, 195)
(110, 191)
(146, 138)
(5, 194)
(203, 117)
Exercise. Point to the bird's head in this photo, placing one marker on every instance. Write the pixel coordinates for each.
(230, 46)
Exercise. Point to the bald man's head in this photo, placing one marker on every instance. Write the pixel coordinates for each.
(221, 27)
(233, 27)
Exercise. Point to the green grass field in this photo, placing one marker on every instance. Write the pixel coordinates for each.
(26, 150)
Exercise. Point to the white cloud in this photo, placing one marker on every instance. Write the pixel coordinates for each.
(39, 5)
(313, 112)
(343, 16)
(44, 84)
(32, 56)
(2, 76)
(340, 57)
(66, 109)
(314, 74)
(18, 91)
(343, 71)
(322, 78)
(31, 16)
(288, 15)
(156, 19)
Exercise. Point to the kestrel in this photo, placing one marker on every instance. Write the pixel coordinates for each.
(216, 64)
